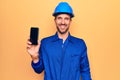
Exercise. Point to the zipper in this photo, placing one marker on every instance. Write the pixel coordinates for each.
(64, 45)
(62, 57)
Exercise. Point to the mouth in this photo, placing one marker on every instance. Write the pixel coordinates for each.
(63, 26)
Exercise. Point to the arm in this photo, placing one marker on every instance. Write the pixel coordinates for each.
(84, 65)
(38, 67)
(35, 51)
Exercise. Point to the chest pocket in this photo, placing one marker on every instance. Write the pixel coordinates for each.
(75, 62)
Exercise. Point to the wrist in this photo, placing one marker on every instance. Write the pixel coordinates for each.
(35, 58)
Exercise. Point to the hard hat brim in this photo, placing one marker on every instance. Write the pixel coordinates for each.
(55, 14)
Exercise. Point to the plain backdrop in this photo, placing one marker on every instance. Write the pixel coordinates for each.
(95, 21)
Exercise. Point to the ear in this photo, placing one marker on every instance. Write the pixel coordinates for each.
(54, 19)
(70, 21)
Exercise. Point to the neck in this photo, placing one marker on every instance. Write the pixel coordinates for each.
(63, 36)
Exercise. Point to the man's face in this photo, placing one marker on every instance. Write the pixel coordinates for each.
(62, 23)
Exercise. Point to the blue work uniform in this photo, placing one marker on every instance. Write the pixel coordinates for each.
(63, 61)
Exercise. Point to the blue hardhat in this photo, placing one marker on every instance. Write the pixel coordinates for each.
(63, 8)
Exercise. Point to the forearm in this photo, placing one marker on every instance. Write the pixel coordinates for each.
(37, 65)
(35, 58)
(85, 67)
(85, 74)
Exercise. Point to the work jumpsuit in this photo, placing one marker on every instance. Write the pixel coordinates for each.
(63, 61)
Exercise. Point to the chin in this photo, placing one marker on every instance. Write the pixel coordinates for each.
(63, 32)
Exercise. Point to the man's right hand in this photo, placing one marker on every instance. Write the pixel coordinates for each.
(33, 50)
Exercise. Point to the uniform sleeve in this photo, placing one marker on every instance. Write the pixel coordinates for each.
(39, 67)
(84, 64)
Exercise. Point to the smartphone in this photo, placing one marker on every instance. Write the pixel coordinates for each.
(34, 31)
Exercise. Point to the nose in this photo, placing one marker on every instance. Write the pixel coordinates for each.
(63, 21)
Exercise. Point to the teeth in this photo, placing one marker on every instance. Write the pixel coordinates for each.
(62, 26)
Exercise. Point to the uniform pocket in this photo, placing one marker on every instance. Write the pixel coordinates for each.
(75, 62)
(75, 67)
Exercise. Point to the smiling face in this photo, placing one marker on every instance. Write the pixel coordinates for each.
(62, 22)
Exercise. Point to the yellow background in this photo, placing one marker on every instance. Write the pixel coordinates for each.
(96, 21)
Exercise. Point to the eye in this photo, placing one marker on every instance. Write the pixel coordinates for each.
(59, 18)
(67, 18)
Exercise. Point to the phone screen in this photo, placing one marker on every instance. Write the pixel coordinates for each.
(34, 31)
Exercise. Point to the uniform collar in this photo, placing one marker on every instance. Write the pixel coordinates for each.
(56, 38)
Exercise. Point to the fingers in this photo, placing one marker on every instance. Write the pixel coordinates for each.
(29, 44)
(38, 42)
(32, 49)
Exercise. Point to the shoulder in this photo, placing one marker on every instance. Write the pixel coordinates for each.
(47, 39)
(78, 41)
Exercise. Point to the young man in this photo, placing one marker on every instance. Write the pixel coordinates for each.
(61, 56)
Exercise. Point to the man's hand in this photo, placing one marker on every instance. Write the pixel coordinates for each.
(33, 50)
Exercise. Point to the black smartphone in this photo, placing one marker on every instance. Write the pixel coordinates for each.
(34, 31)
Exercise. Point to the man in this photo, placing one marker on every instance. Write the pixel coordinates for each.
(61, 56)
